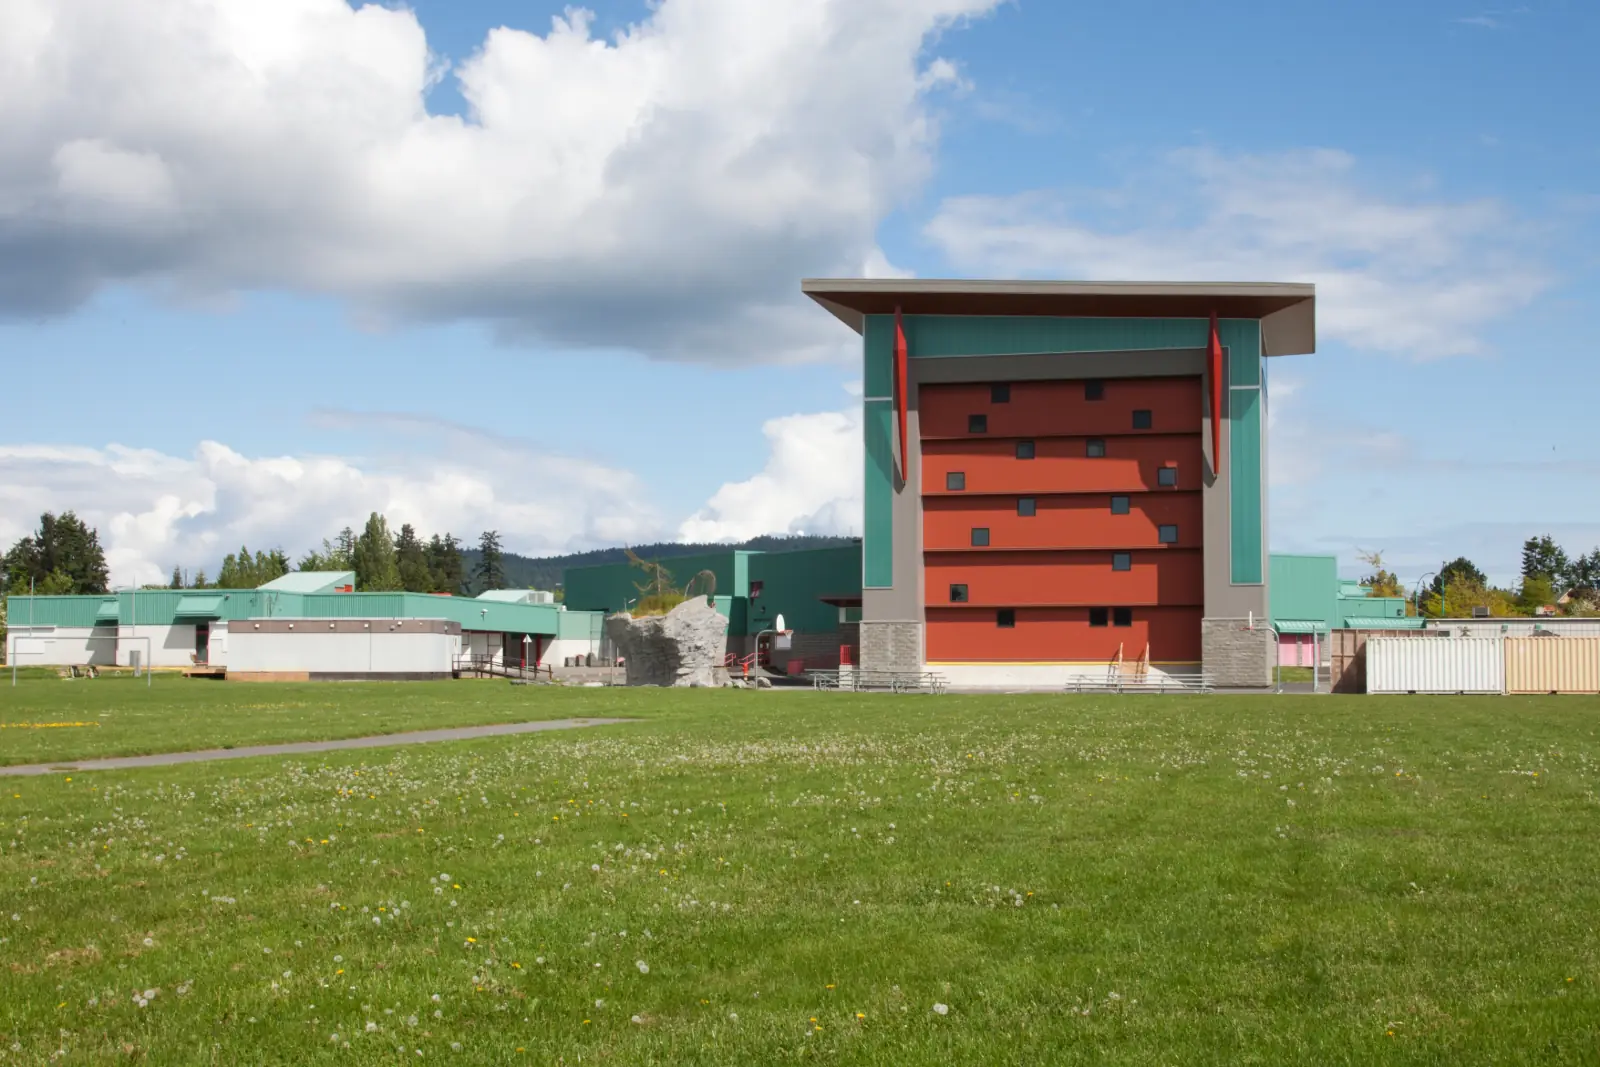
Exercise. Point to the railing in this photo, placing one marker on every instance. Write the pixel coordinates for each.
(495, 668)
(1147, 683)
(859, 681)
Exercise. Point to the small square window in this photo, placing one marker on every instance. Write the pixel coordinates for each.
(1167, 476)
(980, 537)
(1006, 618)
(1122, 617)
(1122, 561)
(1094, 389)
(1024, 449)
(1167, 535)
(955, 481)
(755, 589)
(1142, 419)
(958, 594)
(1119, 505)
(1095, 448)
(1099, 617)
(1000, 393)
(1026, 506)
(977, 424)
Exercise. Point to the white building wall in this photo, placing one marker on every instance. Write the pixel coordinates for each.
(169, 646)
(61, 646)
(1033, 676)
(559, 649)
(313, 650)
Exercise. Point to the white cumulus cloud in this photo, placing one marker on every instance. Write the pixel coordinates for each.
(1411, 275)
(658, 189)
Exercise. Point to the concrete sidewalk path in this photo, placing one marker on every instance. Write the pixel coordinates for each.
(415, 737)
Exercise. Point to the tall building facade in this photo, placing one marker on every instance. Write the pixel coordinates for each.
(1062, 476)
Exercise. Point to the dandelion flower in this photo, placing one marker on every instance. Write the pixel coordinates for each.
(941, 1009)
(644, 968)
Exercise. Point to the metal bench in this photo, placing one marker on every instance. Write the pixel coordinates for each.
(856, 680)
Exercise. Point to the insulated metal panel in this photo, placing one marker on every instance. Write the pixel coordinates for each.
(1452, 665)
(1553, 664)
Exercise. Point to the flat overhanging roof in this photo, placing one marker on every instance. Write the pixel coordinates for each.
(1287, 310)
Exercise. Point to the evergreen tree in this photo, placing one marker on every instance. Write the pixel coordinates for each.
(336, 555)
(63, 545)
(490, 572)
(445, 567)
(245, 571)
(411, 555)
(1459, 569)
(199, 580)
(1542, 557)
(375, 564)
(177, 578)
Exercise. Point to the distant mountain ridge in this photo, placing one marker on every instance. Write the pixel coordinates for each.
(546, 572)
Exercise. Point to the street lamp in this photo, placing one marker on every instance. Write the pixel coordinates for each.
(1416, 596)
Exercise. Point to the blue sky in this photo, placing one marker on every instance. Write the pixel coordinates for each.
(252, 289)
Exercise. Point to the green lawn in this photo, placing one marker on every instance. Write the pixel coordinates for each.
(120, 716)
(751, 878)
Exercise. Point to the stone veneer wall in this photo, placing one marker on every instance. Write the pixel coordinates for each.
(891, 646)
(1237, 657)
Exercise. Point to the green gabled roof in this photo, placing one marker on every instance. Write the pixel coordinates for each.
(311, 581)
(1380, 622)
(1301, 626)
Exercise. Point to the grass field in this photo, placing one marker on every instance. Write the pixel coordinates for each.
(752, 878)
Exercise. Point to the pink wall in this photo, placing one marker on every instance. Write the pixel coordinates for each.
(1296, 650)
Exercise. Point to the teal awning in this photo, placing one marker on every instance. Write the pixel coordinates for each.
(198, 607)
(1301, 626)
(1357, 622)
(107, 611)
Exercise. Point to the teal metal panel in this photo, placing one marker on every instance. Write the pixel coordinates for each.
(1375, 622)
(1247, 526)
(877, 354)
(107, 611)
(932, 336)
(792, 584)
(1242, 338)
(199, 606)
(610, 586)
(55, 611)
(1303, 589)
(577, 625)
(878, 503)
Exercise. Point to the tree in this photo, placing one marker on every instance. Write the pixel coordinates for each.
(1460, 568)
(1537, 592)
(1380, 582)
(1584, 575)
(1542, 557)
(177, 578)
(411, 556)
(336, 555)
(490, 572)
(375, 564)
(657, 594)
(199, 580)
(62, 545)
(444, 564)
(245, 571)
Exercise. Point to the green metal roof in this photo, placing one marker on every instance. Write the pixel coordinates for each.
(1301, 626)
(311, 581)
(199, 606)
(107, 611)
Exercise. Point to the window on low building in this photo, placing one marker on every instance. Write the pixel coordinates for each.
(977, 424)
(1099, 617)
(1026, 506)
(1167, 535)
(1122, 561)
(955, 481)
(1119, 505)
(1000, 393)
(1006, 618)
(1167, 476)
(980, 537)
(958, 594)
(1142, 419)
(1094, 389)
(1122, 617)
(1024, 449)
(1095, 448)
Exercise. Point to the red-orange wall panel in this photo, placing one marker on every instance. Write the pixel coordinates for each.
(1040, 409)
(1017, 579)
(1061, 521)
(1060, 464)
(1055, 635)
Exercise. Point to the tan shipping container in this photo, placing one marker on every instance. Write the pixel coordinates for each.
(1553, 664)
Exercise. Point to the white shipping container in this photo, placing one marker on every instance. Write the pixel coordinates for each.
(1443, 665)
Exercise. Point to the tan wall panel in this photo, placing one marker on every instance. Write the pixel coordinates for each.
(1553, 664)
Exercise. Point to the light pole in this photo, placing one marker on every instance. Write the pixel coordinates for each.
(1416, 596)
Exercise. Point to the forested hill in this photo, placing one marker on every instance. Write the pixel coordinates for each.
(523, 572)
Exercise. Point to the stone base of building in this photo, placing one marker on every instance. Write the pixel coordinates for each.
(891, 646)
(1236, 656)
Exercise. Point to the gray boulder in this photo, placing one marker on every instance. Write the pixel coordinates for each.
(684, 647)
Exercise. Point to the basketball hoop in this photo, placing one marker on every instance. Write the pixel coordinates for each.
(781, 640)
